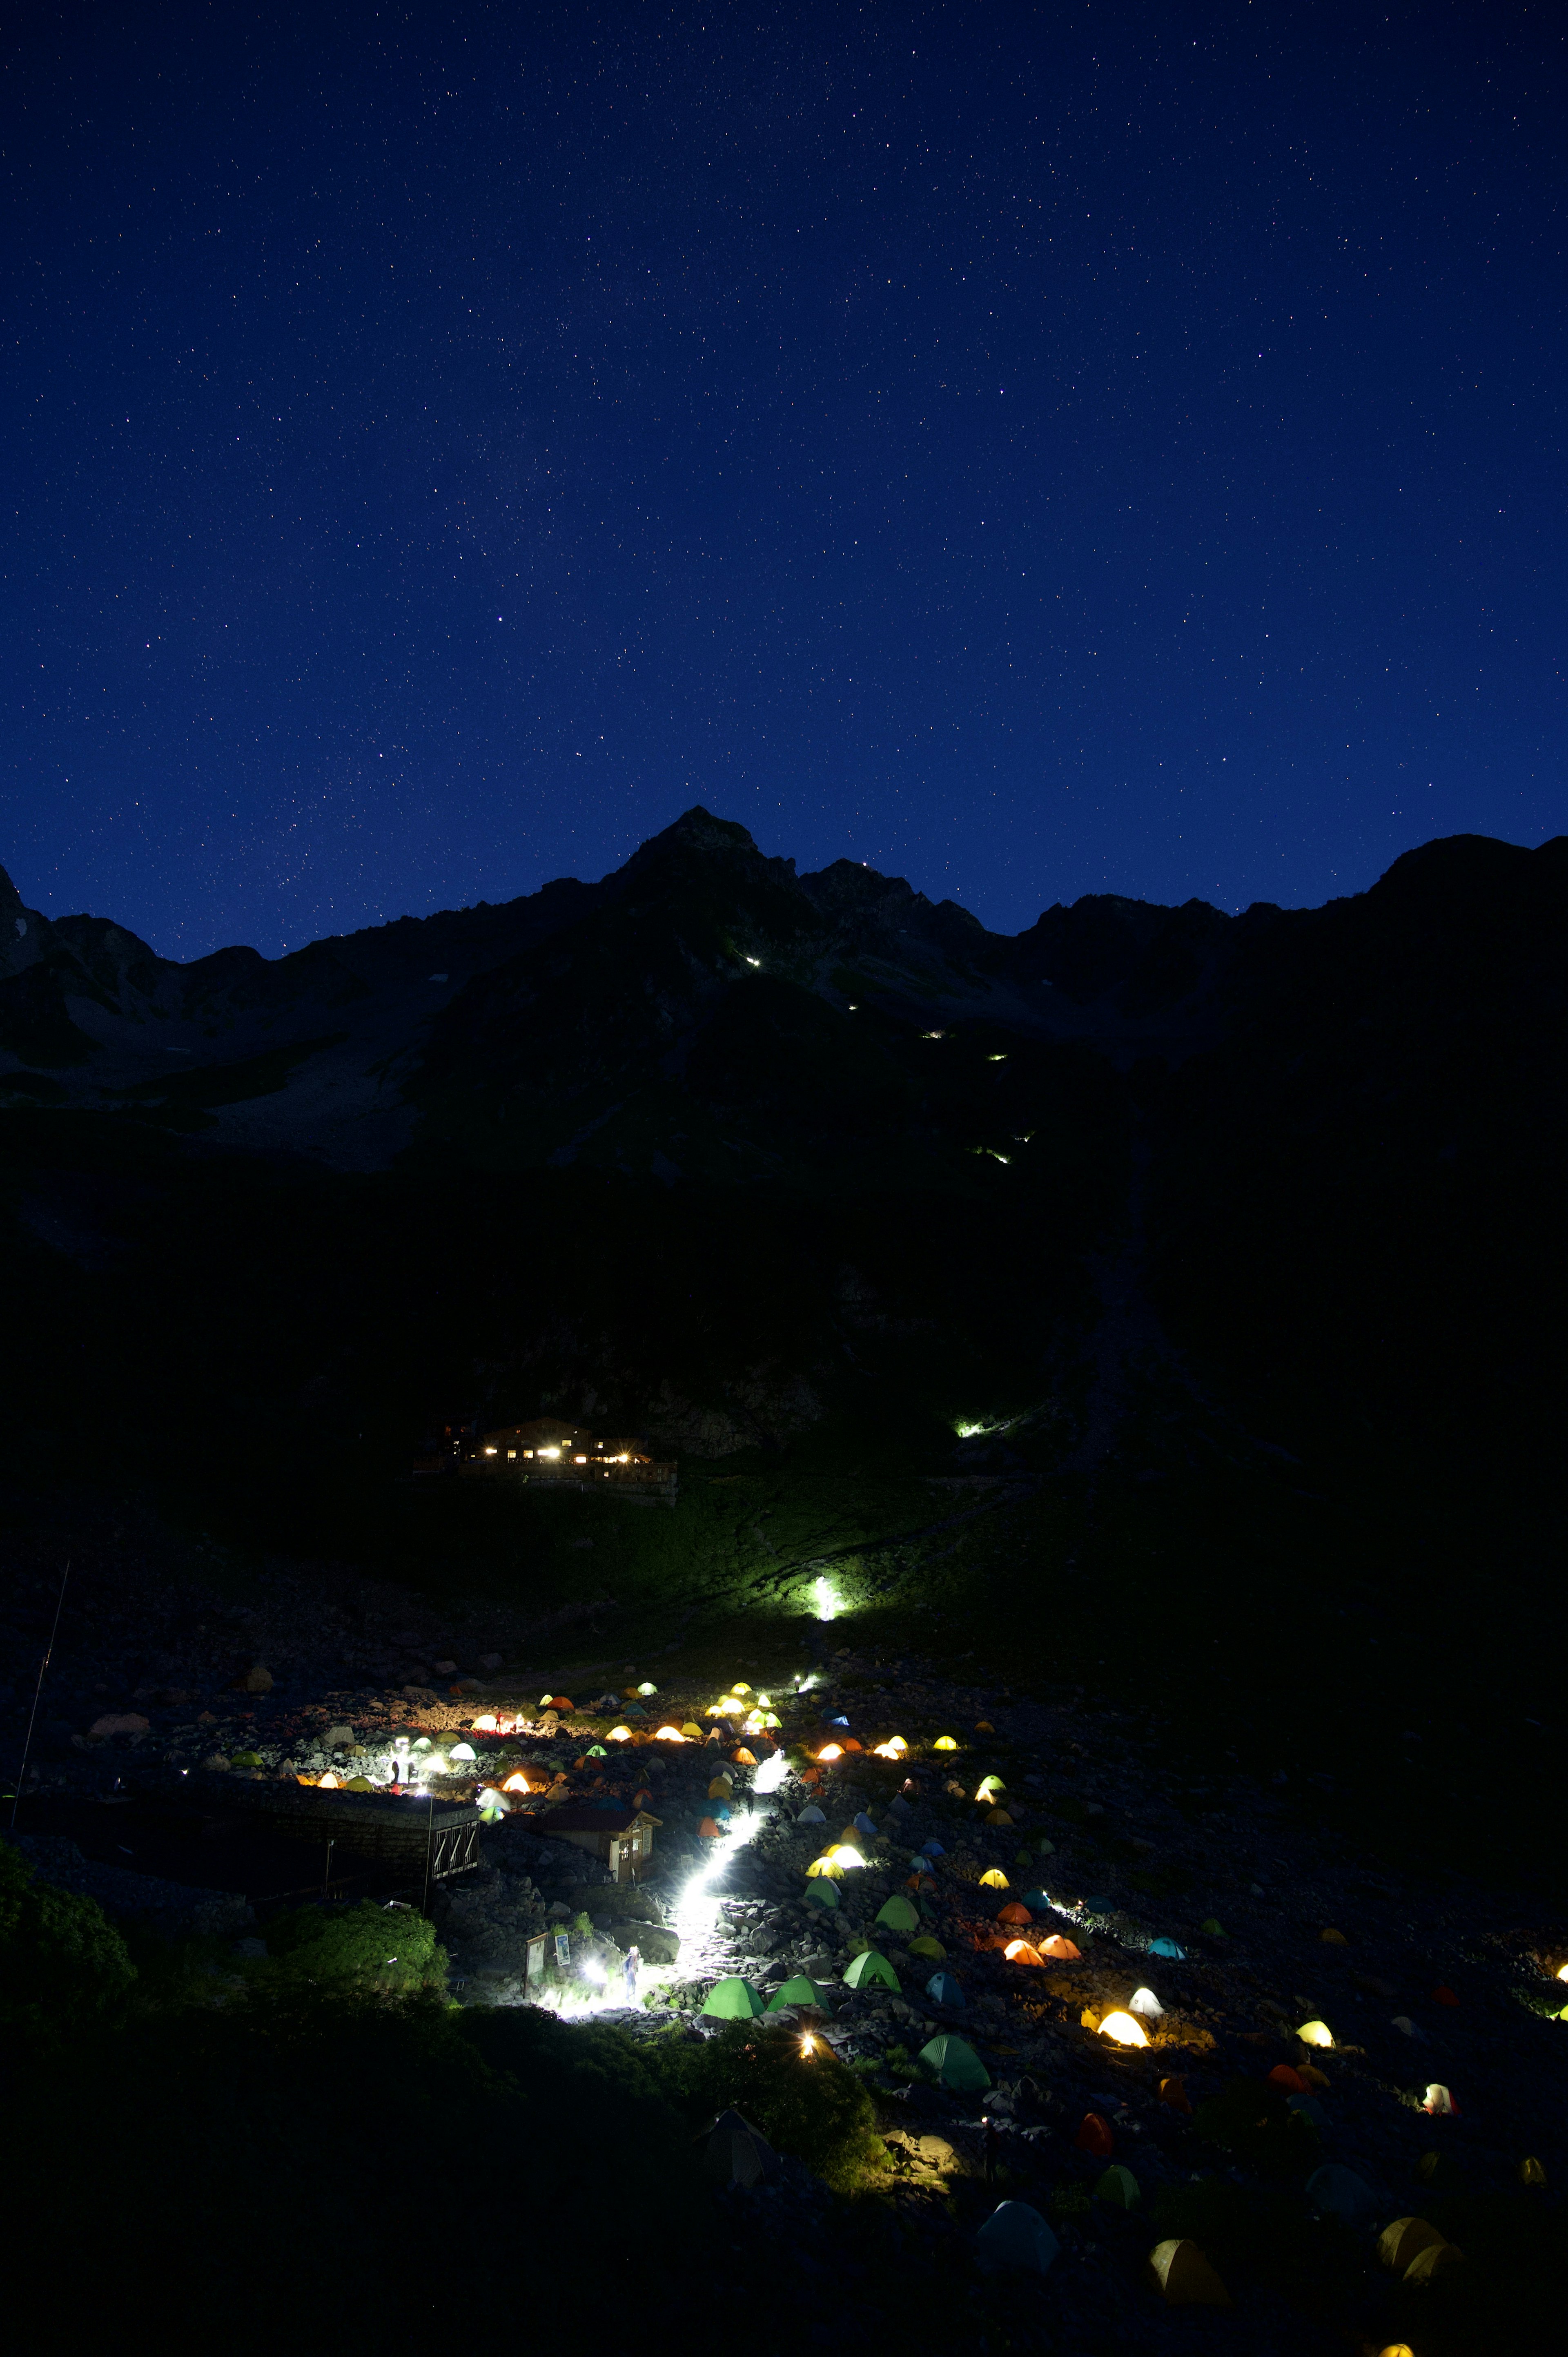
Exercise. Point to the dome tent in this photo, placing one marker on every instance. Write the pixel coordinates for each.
(1182, 2276)
(1336, 2191)
(734, 2153)
(896, 1914)
(869, 1968)
(1014, 2235)
(822, 1893)
(800, 1991)
(733, 1999)
(944, 1988)
(956, 2063)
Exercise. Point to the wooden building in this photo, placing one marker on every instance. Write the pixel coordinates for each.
(622, 1838)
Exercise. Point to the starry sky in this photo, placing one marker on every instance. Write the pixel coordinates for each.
(1034, 450)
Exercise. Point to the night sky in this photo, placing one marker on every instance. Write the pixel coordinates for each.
(1033, 450)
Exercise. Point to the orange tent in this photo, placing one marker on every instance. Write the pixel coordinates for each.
(1015, 1912)
(709, 1828)
(1094, 2136)
(1062, 1950)
(1018, 1952)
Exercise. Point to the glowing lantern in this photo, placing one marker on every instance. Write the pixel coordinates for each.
(1062, 1950)
(1019, 1951)
(830, 1751)
(518, 1783)
(944, 1743)
(808, 2043)
(993, 1879)
(666, 1735)
(1315, 2033)
(620, 1735)
(1123, 2030)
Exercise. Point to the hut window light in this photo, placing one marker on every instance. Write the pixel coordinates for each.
(492, 1452)
(1123, 2030)
(579, 1461)
(751, 960)
(511, 1452)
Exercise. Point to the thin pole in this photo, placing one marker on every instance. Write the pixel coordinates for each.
(326, 1880)
(37, 1690)
(429, 1840)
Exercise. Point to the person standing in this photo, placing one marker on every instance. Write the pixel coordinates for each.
(631, 1967)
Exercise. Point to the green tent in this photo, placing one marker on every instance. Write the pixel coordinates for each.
(800, 1991)
(871, 1967)
(956, 2063)
(926, 1946)
(898, 1914)
(734, 2000)
(822, 1893)
(1119, 2186)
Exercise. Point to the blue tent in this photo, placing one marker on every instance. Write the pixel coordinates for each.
(932, 1849)
(943, 1988)
(1167, 1948)
(866, 1825)
(1014, 2235)
(1037, 1901)
(1340, 2193)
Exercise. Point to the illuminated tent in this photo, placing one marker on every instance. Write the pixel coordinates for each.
(870, 1967)
(1167, 1948)
(943, 1988)
(896, 1914)
(1015, 2237)
(800, 1991)
(733, 2000)
(956, 2063)
(993, 1879)
(1062, 1950)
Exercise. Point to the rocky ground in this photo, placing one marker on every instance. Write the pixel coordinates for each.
(1445, 2065)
